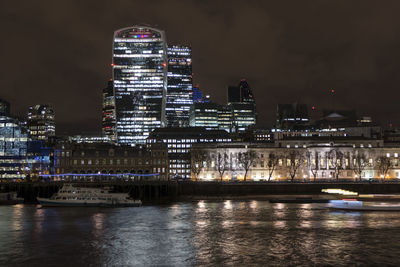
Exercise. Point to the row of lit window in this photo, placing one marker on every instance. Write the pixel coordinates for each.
(178, 150)
(118, 161)
(180, 166)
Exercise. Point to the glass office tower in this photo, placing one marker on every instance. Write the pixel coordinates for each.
(140, 82)
(41, 122)
(242, 104)
(108, 116)
(179, 90)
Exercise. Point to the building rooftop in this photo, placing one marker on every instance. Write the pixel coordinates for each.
(186, 132)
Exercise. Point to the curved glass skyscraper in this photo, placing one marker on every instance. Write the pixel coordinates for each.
(140, 82)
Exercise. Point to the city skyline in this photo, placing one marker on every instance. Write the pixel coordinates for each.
(296, 59)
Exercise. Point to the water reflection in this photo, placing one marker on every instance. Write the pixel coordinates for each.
(98, 221)
(207, 233)
(343, 219)
(253, 204)
(17, 217)
(305, 214)
(228, 205)
(39, 216)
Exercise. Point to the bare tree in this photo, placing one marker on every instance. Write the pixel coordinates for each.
(384, 165)
(296, 159)
(359, 164)
(336, 158)
(197, 164)
(313, 168)
(222, 164)
(245, 160)
(271, 164)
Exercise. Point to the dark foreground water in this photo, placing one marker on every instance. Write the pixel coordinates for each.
(234, 233)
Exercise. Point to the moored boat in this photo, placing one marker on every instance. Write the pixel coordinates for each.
(71, 196)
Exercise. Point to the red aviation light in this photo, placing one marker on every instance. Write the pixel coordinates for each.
(332, 91)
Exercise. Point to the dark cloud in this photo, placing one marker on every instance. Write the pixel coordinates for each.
(59, 52)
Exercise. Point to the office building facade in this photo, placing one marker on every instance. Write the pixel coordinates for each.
(179, 141)
(140, 82)
(204, 115)
(20, 157)
(41, 122)
(242, 105)
(108, 113)
(179, 89)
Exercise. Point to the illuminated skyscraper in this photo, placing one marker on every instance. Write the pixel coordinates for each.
(108, 118)
(140, 82)
(41, 122)
(179, 92)
(242, 104)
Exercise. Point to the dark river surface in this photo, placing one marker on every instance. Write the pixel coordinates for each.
(205, 233)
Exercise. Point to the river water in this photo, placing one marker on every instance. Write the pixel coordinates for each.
(206, 233)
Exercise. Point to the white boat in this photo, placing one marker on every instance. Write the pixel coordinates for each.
(69, 195)
(355, 205)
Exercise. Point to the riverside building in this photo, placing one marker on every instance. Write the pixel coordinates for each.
(179, 142)
(105, 161)
(301, 159)
(140, 82)
(20, 157)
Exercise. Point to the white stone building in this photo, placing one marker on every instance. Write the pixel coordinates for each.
(297, 159)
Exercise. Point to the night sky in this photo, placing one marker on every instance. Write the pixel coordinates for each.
(59, 52)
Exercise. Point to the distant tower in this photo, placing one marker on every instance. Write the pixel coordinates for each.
(179, 89)
(197, 94)
(291, 116)
(241, 93)
(4, 108)
(140, 82)
(41, 122)
(108, 115)
(242, 105)
(246, 94)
